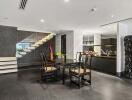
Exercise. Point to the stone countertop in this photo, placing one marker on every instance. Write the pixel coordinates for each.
(106, 57)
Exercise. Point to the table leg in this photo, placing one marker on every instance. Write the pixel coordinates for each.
(63, 76)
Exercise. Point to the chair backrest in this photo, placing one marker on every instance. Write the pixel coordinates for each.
(88, 60)
(78, 56)
(85, 62)
(43, 60)
(83, 58)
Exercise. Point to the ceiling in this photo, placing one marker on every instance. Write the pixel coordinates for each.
(59, 15)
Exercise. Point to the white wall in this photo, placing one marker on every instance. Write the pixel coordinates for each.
(122, 30)
(129, 29)
(78, 42)
(69, 43)
(58, 42)
(97, 41)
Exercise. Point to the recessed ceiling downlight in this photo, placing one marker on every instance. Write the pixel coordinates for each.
(112, 16)
(67, 0)
(42, 20)
(94, 9)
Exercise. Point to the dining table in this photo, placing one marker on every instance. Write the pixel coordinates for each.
(64, 65)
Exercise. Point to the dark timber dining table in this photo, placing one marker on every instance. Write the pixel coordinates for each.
(64, 65)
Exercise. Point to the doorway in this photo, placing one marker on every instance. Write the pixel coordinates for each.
(63, 46)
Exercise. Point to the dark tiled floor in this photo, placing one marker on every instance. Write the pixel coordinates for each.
(25, 86)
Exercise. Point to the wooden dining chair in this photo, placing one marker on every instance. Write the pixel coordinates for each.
(79, 72)
(78, 59)
(48, 69)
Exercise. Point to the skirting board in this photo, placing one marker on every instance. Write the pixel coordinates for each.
(28, 64)
(120, 74)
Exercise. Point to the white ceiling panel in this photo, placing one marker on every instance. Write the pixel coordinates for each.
(59, 15)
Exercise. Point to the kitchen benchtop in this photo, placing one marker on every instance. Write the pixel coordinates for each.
(106, 57)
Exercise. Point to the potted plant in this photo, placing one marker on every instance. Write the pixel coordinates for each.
(59, 55)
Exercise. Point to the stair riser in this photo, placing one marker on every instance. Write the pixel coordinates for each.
(19, 56)
(28, 51)
(39, 43)
(8, 63)
(35, 45)
(31, 48)
(8, 67)
(7, 58)
(8, 71)
(23, 53)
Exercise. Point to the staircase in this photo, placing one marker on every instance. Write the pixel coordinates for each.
(36, 45)
(8, 65)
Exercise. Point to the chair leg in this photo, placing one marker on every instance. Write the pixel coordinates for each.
(90, 79)
(80, 82)
(41, 78)
(82, 79)
(70, 79)
(55, 76)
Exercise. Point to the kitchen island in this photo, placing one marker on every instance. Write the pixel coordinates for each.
(105, 64)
